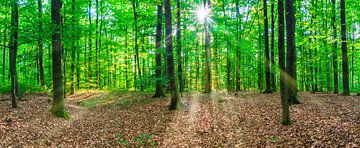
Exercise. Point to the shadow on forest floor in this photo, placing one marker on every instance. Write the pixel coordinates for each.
(103, 119)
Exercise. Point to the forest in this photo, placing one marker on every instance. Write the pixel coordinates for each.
(179, 73)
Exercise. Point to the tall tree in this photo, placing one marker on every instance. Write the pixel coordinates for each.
(97, 44)
(178, 45)
(159, 92)
(291, 52)
(73, 46)
(344, 49)
(90, 43)
(272, 46)
(175, 100)
(208, 81)
(228, 51)
(267, 52)
(40, 45)
(335, 63)
(238, 55)
(58, 104)
(13, 51)
(136, 29)
(283, 76)
(4, 54)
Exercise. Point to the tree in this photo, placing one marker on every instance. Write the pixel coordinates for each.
(344, 49)
(267, 52)
(58, 104)
(272, 52)
(283, 76)
(178, 43)
(159, 92)
(73, 46)
(228, 51)
(137, 60)
(13, 51)
(175, 100)
(334, 53)
(291, 52)
(207, 51)
(40, 45)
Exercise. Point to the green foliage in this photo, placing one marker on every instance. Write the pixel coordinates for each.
(274, 139)
(142, 140)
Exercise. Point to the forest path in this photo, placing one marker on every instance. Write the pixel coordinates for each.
(202, 117)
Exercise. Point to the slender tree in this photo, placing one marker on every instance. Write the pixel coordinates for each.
(13, 51)
(40, 45)
(73, 48)
(207, 51)
(178, 43)
(228, 51)
(58, 104)
(283, 76)
(291, 52)
(159, 85)
(175, 100)
(344, 49)
(267, 52)
(272, 46)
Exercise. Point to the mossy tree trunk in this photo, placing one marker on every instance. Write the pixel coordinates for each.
(58, 105)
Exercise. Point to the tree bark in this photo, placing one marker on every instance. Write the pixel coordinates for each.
(135, 3)
(13, 51)
(73, 50)
(175, 100)
(344, 49)
(283, 76)
(272, 46)
(40, 45)
(159, 86)
(228, 52)
(291, 52)
(178, 43)
(207, 52)
(58, 108)
(267, 52)
(90, 45)
(238, 55)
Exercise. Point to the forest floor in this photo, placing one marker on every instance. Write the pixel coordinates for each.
(248, 119)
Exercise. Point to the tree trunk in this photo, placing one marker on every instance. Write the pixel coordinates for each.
(73, 50)
(283, 76)
(97, 44)
(159, 85)
(178, 41)
(291, 52)
(238, 56)
(267, 52)
(4, 55)
(58, 108)
(175, 100)
(135, 3)
(344, 49)
(13, 51)
(272, 52)
(207, 52)
(40, 45)
(90, 46)
(228, 52)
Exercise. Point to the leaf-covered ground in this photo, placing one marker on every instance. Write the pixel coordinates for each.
(247, 119)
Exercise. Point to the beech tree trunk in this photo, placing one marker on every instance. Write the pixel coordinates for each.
(73, 50)
(13, 51)
(40, 45)
(159, 85)
(344, 49)
(283, 76)
(175, 100)
(58, 108)
(291, 52)
(207, 52)
(178, 43)
(267, 52)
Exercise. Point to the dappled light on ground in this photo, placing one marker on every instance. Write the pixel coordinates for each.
(247, 119)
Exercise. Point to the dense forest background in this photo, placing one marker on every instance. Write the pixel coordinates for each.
(115, 51)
